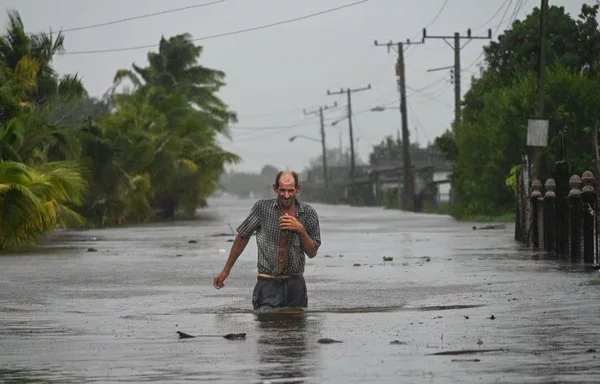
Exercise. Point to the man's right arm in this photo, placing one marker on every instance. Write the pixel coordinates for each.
(238, 246)
(245, 230)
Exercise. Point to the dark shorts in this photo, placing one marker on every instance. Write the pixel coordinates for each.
(274, 293)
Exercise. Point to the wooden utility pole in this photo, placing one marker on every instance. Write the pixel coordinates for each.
(408, 190)
(543, 51)
(456, 47)
(348, 92)
(320, 113)
(539, 107)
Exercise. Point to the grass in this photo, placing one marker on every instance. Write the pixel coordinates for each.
(440, 209)
(446, 209)
(508, 217)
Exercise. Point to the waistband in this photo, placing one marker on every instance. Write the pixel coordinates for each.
(276, 277)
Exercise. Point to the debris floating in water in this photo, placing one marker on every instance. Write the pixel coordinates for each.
(388, 258)
(327, 340)
(464, 352)
(492, 226)
(183, 335)
(229, 336)
(235, 336)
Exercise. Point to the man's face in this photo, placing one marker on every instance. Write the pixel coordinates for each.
(286, 191)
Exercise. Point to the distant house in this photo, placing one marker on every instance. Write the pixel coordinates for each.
(383, 182)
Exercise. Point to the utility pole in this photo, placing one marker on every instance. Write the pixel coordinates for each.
(539, 108)
(456, 47)
(320, 112)
(408, 191)
(348, 92)
(543, 50)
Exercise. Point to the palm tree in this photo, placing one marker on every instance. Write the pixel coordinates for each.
(34, 201)
(174, 115)
(175, 69)
(32, 92)
(16, 44)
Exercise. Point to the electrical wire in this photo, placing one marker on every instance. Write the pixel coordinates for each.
(491, 18)
(223, 34)
(415, 120)
(144, 16)
(515, 12)
(273, 127)
(434, 18)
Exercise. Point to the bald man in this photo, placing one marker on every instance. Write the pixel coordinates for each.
(286, 230)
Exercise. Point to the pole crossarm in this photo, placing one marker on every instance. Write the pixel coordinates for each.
(457, 69)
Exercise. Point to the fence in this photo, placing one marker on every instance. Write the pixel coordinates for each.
(563, 217)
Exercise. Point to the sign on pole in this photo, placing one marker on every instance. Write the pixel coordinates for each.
(537, 133)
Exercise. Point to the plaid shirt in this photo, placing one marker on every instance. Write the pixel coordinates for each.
(264, 219)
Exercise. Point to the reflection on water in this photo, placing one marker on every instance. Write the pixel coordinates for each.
(26, 376)
(286, 351)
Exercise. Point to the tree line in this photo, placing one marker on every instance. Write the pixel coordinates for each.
(487, 144)
(145, 150)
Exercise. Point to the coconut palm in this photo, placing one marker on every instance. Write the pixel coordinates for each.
(175, 115)
(34, 201)
(16, 44)
(174, 68)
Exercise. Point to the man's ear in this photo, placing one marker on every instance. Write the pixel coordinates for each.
(298, 188)
(275, 188)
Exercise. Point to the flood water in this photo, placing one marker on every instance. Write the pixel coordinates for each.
(72, 316)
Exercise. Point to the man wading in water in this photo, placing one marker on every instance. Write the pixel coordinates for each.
(286, 231)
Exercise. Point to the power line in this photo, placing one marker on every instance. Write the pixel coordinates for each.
(144, 16)
(457, 68)
(493, 16)
(437, 15)
(276, 127)
(239, 31)
(418, 124)
(517, 8)
(434, 19)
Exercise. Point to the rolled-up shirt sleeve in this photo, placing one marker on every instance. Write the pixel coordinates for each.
(251, 223)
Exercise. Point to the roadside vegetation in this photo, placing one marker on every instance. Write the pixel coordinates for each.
(145, 151)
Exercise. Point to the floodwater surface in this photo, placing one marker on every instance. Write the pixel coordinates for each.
(454, 305)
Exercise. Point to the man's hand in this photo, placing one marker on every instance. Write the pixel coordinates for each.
(290, 223)
(218, 281)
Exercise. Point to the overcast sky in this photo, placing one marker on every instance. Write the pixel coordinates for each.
(275, 73)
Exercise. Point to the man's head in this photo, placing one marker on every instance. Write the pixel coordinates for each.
(286, 186)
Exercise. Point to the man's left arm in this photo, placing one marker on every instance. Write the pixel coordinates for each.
(310, 236)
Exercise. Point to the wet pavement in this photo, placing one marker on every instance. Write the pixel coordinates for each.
(72, 316)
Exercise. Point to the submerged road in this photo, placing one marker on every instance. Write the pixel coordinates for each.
(72, 316)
